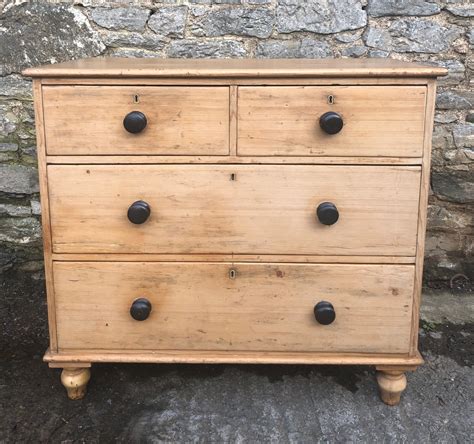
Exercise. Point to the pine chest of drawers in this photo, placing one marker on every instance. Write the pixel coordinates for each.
(234, 211)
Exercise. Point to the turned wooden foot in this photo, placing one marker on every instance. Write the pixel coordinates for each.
(391, 384)
(75, 380)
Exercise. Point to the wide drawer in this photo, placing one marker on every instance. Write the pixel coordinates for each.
(377, 121)
(83, 120)
(268, 307)
(247, 209)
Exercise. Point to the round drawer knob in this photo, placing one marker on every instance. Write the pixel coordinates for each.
(327, 213)
(138, 212)
(331, 122)
(140, 309)
(324, 312)
(135, 122)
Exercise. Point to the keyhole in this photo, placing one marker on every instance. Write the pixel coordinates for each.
(233, 176)
(136, 98)
(232, 273)
(331, 99)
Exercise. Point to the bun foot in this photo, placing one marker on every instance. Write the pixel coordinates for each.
(391, 384)
(75, 381)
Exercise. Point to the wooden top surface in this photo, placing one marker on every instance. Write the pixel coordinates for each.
(130, 67)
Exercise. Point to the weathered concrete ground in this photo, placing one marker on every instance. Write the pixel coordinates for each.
(228, 403)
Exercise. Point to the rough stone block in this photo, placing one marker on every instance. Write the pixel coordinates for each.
(8, 119)
(381, 8)
(306, 48)
(206, 49)
(328, 17)
(20, 231)
(253, 22)
(413, 35)
(36, 33)
(454, 100)
(464, 135)
(354, 51)
(130, 19)
(14, 210)
(8, 147)
(137, 53)
(18, 179)
(454, 185)
(378, 38)
(444, 219)
(15, 86)
(461, 10)
(169, 21)
(445, 117)
(118, 39)
(35, 207)
(348, 36)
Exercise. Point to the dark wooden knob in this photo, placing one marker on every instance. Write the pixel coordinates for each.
(135, 122)
(324, 312)
(327, 213)
(140, 309)
(138, 212)
(331, 122)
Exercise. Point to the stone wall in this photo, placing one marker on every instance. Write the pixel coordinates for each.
(434, 31)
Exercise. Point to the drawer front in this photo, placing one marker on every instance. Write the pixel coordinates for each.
(377, 121)
(268, 307)
(87, 120)
(266, 209)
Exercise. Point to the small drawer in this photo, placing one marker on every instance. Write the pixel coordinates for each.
(126, 120)
(247, 209)
(263, 307)
(364, 121)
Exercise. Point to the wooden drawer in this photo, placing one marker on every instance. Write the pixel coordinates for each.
(377, 121)
(267, 307)
(87, 120)
(267, 209)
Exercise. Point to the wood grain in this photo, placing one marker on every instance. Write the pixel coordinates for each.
(294, 68)
(224, 357)
(45, 212)
(268, 209)
(266, 307)
(378, 121)
(291, 258)
(233, 81)
(181, 120)
(293, 160)
(422, 211)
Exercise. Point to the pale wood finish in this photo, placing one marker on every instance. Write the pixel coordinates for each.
(181, 120)
(65, 364)
(294, 68)
(233, 94)
(197, 306)
(257, 119)
(225, 357)
(422, 212)
(293, 160)
(233, 81)
(289, 258)
(391, 385)
(378, 121)
(45, 215)
(75, 381)
(268, 209)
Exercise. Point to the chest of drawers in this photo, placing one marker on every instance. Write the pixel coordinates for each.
(234, 211)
